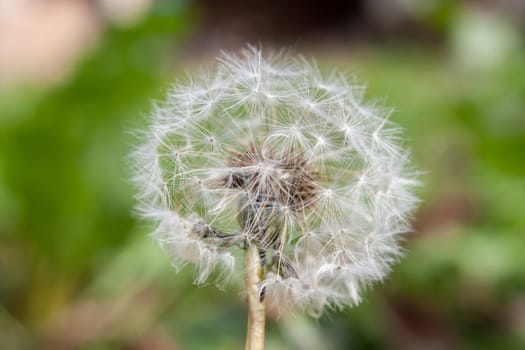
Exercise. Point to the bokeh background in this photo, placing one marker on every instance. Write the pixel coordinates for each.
(77, 270)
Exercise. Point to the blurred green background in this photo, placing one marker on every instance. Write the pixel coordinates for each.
(77, 270)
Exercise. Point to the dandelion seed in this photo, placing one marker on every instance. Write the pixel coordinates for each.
(266, 153)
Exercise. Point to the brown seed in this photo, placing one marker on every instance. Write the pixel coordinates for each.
(285, 178)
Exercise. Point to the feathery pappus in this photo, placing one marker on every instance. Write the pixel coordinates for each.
(268, 151)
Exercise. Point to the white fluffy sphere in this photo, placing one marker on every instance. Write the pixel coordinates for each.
(268, 151)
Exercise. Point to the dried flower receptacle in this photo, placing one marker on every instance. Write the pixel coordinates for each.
(272, 185)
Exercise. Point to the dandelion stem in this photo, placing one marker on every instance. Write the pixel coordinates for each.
(256, 311)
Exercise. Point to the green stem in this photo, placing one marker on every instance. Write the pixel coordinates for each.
(256, 309)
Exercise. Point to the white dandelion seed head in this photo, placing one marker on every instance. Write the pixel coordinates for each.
(268, 151)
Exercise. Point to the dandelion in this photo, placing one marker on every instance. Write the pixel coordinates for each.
(266, 155)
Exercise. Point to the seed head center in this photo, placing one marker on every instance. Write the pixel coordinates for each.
(283, 179)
